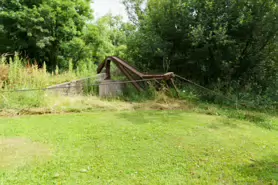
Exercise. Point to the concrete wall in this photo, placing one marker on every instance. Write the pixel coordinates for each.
(110, 88)
(69, 88)
(107, 88)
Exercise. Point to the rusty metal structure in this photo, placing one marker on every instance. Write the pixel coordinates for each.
(132, 74)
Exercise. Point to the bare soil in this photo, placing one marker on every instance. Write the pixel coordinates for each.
(16, 152)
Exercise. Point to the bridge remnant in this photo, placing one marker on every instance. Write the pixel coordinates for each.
(136, 78)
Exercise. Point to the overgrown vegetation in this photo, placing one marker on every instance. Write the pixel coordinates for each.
(58, 31)
(226, 135)
(228, 46)
(19, 74)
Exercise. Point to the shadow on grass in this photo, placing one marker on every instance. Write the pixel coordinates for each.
(223, 122)
(266, 170)
(257, 119)
(143, 117)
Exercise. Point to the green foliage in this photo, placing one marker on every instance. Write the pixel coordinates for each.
(111, 35)
(20, 74)
(60, 31)
(22, 100)
(90, 88)
(132, 95)
(229, 45)
(39, 29)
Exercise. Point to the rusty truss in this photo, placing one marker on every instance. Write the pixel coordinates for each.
(132, 74)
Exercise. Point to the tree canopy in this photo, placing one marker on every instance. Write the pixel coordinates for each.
(208, 41)
(39, 28)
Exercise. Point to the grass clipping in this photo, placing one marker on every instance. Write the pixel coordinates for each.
(76, 104)
(81, 103)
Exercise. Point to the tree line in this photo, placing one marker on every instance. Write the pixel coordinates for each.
(230, 45)
(57, 31)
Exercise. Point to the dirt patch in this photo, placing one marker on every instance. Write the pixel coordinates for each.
(16, 152)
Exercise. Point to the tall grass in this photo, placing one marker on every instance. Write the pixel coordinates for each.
(18, 74)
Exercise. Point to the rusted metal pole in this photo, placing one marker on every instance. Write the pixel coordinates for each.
(108, 70)
(129, 71)
(135, 84)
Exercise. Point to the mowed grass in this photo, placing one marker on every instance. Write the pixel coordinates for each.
(137, 147)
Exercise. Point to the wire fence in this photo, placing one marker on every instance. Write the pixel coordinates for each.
(184, 81)
(230, 98)
(75, 86)
(204, 88)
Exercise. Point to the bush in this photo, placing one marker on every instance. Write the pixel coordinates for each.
(21, 100)
(19, 74)
(131, 94)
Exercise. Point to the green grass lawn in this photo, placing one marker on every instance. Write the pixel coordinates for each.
(136, 148)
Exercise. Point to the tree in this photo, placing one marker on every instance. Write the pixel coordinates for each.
(111, 37)
(208, 41)
(39, 28)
